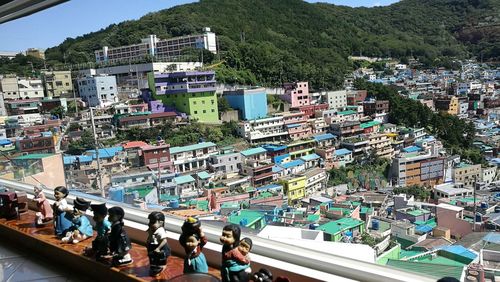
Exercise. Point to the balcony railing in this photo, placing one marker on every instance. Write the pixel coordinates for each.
(295, 262)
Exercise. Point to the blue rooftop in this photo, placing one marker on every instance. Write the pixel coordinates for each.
(277, 168)
(183, 179)
(341, 152)
(253, 151)
(323, 137)
(72, 159)
(4, 142)
(459, 250)
(270, 187)
(279, 159)
(424, 228)
(293, 125)
(412, 149)
(106, 153)
(292, 164)
(310, 157)
(274, 147)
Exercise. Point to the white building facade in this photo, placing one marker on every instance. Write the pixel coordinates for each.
(98, 91)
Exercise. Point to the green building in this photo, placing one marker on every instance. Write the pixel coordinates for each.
(190, 92)
(334, 230)
(248, 218)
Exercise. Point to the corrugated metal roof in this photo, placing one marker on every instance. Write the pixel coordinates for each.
(435, 270)
(292, 164)
(310, 157)
(322, 137)
(202, 145)
(341, 152)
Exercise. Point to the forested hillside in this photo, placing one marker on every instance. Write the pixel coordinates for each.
(270, 41)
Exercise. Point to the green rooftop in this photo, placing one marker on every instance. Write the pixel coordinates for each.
(199, 146)
(313, 217)
(437, 260)
(434, 270)
(143, 191)
(33, 156)
(183, 179)
(345, 113)
(250, 215)
(203, 175)
(337, 226)
(369, 124)
(418, 212)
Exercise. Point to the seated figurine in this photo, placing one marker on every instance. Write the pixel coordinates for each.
(99, 247)
(81, 228)
(45, 213)
(119, 242)
(158, 248)
(62, 212)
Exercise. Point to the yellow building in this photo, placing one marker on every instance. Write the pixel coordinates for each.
(37, 53)
(454, 108)
(58, 84)
(295, 188)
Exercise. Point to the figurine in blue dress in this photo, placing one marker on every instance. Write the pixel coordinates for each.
(62, 212)
(81, 228)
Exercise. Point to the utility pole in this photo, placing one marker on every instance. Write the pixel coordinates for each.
(475, 208)
(158, 191)
(99, 176)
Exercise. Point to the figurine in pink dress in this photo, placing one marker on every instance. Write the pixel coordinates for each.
(45, 213)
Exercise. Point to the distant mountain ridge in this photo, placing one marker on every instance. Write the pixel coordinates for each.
(294, 40)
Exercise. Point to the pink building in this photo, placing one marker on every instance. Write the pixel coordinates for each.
(452, 217)
(297, 94)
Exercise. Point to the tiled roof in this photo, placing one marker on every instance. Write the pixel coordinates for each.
(134, 144)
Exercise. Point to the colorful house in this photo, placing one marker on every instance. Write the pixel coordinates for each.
(248, 218)
(251, 103)
(335, 230)
(295, 188)
(190, 92)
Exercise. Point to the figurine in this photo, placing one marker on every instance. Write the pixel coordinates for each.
(230, 237)
(45, 212)
(62, 212)
(102, 226)
(193, 240)
(81, 228)
(237, 261)
(157, 245)
(119, 242)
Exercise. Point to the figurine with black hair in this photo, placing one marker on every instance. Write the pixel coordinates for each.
(193, 240)
(237, 261)
(62, 212)
(119, 242)
(157, 244)
(81, 228)
(45, 213)
(263, 275)
(102, 226)
(230, 238)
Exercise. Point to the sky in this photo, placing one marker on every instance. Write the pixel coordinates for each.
(52, 26)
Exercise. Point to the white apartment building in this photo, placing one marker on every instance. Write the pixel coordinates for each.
(488, 174)
(263, 129)
(192, 157)
(337, 99)
(98, 91)
(163, 49)
(30, 88)
(316, 180)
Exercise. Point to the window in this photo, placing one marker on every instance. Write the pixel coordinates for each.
(204, 111)
(195, 112)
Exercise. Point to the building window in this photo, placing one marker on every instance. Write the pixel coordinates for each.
(194, 102)
(204, 111)
(195, 112)
(213, 111)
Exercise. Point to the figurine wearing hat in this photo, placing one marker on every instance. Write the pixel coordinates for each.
(81, 228)
(119, 242)
(102, 226)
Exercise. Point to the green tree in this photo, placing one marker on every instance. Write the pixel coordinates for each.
(223, 105)
(58, 111)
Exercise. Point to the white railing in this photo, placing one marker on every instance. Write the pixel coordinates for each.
(296, 262)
